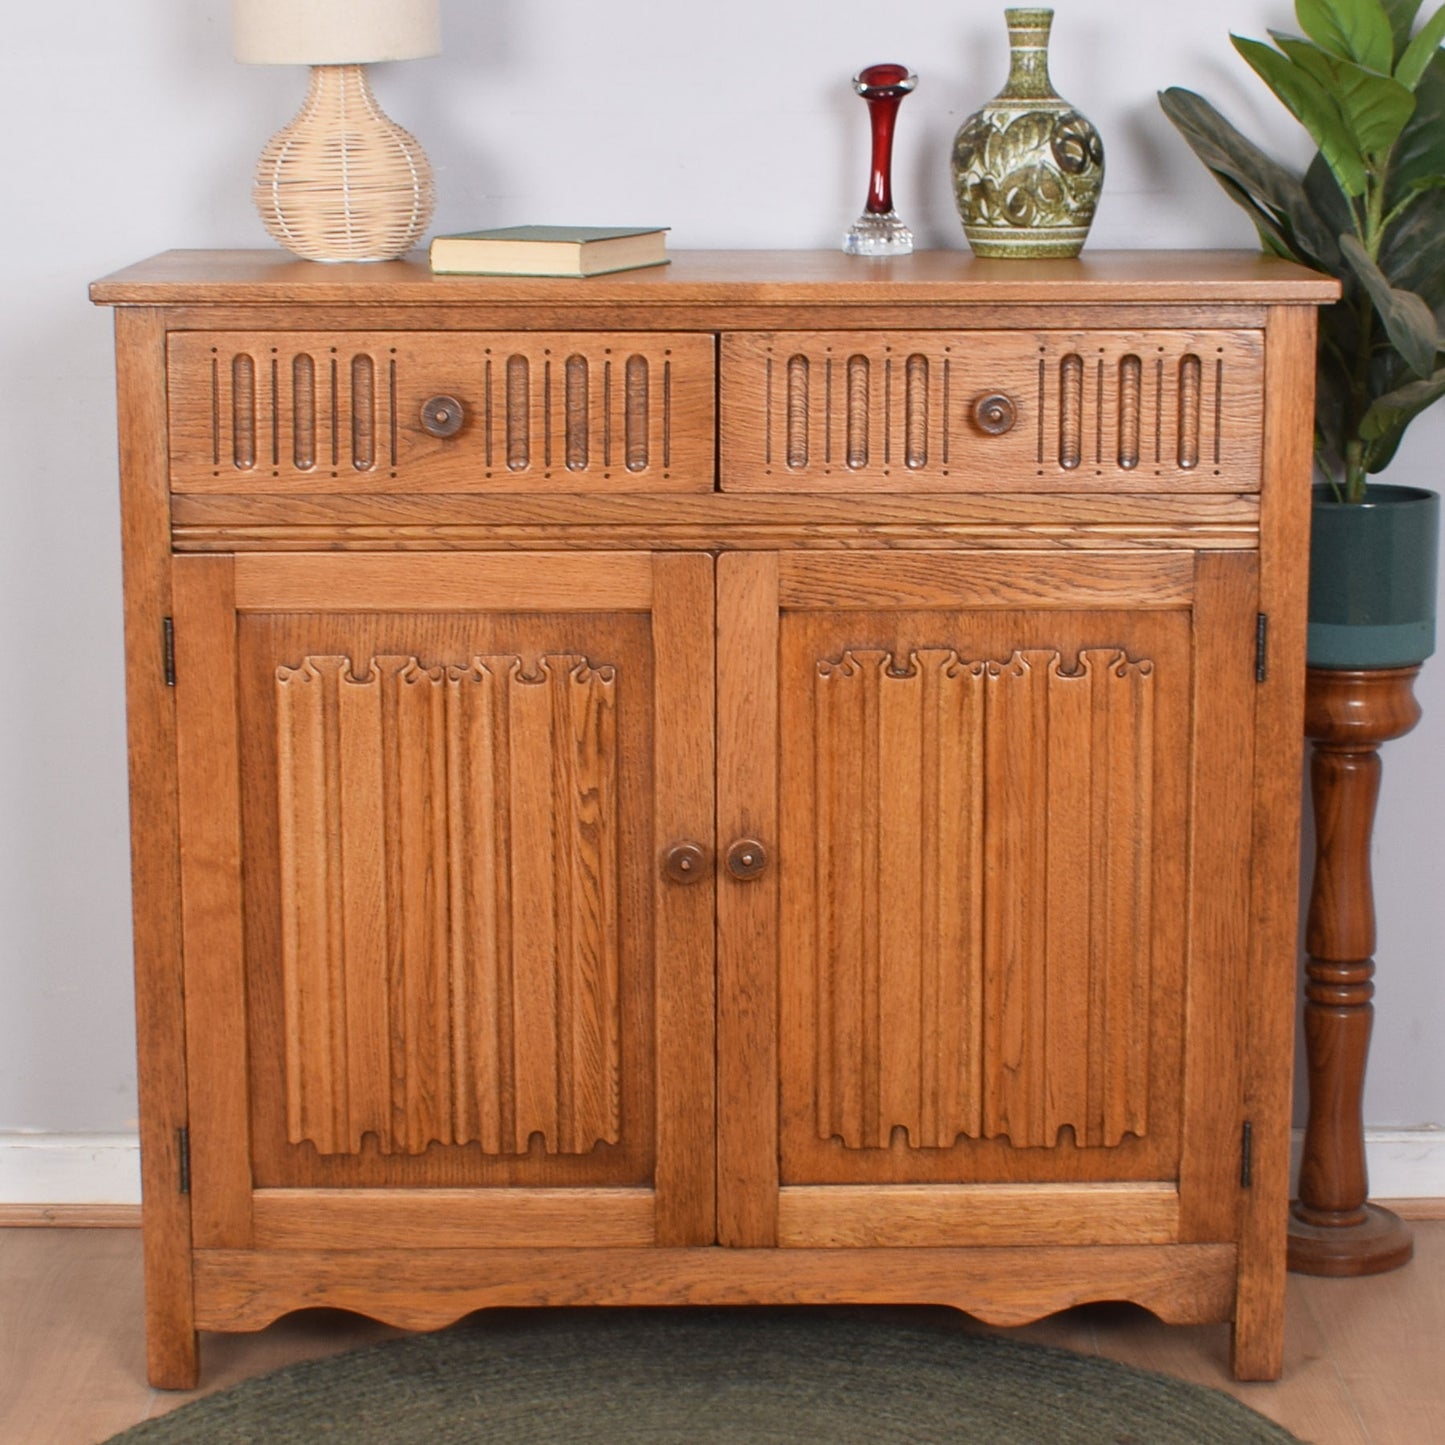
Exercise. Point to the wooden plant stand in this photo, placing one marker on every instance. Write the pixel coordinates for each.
(1334, 1229)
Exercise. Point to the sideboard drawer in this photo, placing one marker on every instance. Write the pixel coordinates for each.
(298, 411)
(1016, 411)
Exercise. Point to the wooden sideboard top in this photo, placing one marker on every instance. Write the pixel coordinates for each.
(759, 277)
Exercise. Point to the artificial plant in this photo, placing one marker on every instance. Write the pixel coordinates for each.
(1370, 210)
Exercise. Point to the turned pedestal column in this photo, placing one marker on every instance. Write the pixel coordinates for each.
(1334, 1229)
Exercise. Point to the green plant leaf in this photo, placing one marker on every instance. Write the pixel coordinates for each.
(1273, 236)
(1311, 105)
(1375, 108)
(1357, 30)
(1420, 151)
(1272, 240)
(1421, 50)
(1328, 202)
(1401, 14)
(1272, 194)
(1342, 392)
(1409, 322)
(1384, 424)
(1379, 454)
(1412, 257)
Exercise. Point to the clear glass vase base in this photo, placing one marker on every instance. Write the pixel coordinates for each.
(878, 234)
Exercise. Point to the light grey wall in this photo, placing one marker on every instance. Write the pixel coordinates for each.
(131, 131)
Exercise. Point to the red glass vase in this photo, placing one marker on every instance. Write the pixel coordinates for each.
(878, 231)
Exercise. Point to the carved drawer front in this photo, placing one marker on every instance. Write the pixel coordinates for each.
(1048, 411)
(457, 412)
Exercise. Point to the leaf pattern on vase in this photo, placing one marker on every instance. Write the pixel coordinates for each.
(1031, 171)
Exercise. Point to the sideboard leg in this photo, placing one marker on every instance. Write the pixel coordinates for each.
(1256, 1342)
(172, 1344)
(173, 1357)
(1333, 1229)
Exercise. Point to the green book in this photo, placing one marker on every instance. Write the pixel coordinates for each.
(550, 250)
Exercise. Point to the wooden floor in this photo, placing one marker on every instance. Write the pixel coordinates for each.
(1364, 1359)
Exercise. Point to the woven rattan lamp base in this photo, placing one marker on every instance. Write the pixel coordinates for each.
(343, 181)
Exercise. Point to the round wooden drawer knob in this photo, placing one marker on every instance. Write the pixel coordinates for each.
(442, 416)
(994, 414)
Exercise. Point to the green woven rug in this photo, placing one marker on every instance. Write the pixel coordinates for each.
(795, 1377)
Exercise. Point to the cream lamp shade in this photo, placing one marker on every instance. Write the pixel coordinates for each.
(342, 181)
(334, 32)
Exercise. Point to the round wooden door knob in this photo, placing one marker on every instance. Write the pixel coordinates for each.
(684, 862)
(442, 416)
(746, 859)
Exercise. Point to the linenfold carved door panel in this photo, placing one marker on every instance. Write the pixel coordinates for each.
(981, 944)
(988, 794)
(448, 841)
(437, 814)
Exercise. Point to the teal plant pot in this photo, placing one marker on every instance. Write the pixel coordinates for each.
(1372, 578)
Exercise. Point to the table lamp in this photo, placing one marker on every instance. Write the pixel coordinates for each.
(342, 182)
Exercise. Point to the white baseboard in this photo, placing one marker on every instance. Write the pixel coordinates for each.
(69, 1169)
(105, 1168)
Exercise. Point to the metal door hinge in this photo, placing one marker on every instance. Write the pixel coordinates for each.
(1261, 647)
(183, 1154)
(168, 649)
(1246, 1156)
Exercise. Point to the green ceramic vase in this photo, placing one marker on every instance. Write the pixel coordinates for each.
(1027, 168)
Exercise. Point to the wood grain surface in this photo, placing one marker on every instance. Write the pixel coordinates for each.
(771, 277)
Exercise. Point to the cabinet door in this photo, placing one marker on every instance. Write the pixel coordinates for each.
(990, 988)
(439, 990)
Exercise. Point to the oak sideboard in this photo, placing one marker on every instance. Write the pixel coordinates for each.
(772, 779)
